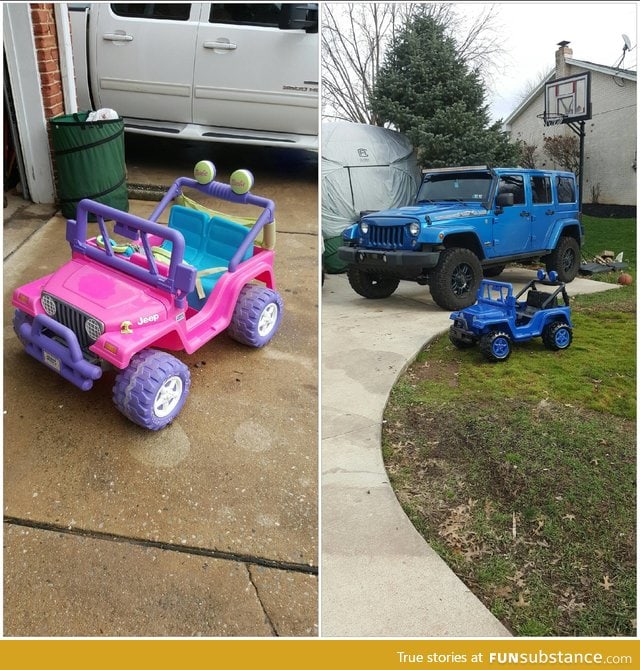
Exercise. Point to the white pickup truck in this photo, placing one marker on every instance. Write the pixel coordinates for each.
(224, 72)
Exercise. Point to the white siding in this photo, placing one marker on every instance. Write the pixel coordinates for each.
(610, 141)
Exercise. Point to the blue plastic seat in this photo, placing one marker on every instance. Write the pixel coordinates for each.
(210, 243)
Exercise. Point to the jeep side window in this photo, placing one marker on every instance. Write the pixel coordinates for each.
(176, 11)
(541, 190)
(566, 189)
(512, 184)
(246, 13)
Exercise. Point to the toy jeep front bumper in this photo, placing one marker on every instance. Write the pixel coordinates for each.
(407, 263)
(460, 330)
(57, 347)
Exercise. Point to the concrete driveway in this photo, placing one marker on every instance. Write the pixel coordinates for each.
(379, 577)
(207, 528)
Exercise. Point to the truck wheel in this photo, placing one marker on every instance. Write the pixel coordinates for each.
(19, 317)
(496, 346)
(456, 279)
(373, 285)
(153, 389)
(557, 335)
(256, 317)
(564, 259)
(493, 271)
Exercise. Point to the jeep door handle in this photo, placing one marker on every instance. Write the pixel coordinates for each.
(226, 46)
(117, 37)
(525, 214)
(549, 212)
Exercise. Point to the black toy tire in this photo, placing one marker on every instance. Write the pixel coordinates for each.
(458, 343)
(496, 346)
(372, 285)
(456, 279)
(564, 259)
(557, 335)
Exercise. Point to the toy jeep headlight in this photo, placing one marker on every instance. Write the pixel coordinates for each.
(364, 227)
(414, 228)
(48, 304)
(94, 328)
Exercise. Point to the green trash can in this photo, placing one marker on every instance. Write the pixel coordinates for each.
(330, 262)
(89, 159)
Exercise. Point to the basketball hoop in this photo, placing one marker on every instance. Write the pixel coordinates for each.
(551, 119)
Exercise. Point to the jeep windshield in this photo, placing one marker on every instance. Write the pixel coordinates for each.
(455, 187)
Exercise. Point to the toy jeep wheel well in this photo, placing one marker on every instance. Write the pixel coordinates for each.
(464, 241)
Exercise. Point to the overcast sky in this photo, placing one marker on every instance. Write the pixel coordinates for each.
(531, 32)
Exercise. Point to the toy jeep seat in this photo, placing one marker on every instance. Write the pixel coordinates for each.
(210, 243)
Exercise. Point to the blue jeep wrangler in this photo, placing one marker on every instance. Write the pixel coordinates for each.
(466, 223)
(499, 318)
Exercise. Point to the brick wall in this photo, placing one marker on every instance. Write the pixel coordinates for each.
(44, 32)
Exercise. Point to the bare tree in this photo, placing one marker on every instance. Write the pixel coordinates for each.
(355, 37)
(564, 151)
(527, 154)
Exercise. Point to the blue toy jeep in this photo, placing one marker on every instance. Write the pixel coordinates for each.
(499, 318)
(466, 223)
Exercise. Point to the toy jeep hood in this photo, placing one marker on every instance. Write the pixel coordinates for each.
(96, 291)
(429, 213)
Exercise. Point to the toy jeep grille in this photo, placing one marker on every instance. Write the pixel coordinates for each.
(72, 318)
(389, 237)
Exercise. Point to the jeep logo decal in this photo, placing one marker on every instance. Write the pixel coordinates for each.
(148, 319)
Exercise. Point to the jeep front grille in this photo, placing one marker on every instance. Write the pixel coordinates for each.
(72, 318)
(387, 237)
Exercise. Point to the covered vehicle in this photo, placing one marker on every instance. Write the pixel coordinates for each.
(364, 169)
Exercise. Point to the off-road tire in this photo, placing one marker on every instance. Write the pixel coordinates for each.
(371, 284)
(557, 335)
(455, 280)
(152, 390)
(564, 259)
(496, 346)
(493, 271)
(256, 317)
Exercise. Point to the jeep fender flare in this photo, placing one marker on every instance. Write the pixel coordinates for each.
(564, 227)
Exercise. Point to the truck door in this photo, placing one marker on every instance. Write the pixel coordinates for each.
(512, 227)
(143, 58)
(251, 74)
(542, 210)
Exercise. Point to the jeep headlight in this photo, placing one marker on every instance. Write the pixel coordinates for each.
(48, 304)
(364, 227)
(414, 228)
(94, 328)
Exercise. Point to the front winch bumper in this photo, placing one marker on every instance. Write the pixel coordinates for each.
(64, 357)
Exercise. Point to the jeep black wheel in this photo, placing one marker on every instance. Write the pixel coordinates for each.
(455, 280)
(458, 342)
(557, 335)
(496, 346)
(493, 271)
(564, 259)
(372, 285)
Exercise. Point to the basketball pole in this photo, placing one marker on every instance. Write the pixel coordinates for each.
(579, 131)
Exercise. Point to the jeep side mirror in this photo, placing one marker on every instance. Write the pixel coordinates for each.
(299, 16)
(504, 200)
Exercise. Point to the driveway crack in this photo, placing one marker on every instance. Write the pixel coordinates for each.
(266, 615)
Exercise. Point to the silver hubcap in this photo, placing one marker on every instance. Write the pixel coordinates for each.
(268, 319)
(167, 397)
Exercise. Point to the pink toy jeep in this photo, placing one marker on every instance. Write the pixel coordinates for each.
(172, 287)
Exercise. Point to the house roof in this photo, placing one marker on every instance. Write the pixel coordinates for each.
(631, 75)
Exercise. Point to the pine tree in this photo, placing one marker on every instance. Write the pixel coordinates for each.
(426, 91)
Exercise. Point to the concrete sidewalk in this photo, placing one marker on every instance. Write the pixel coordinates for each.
(379, 577)
(206, 528)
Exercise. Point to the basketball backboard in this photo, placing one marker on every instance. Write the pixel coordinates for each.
(568, 99)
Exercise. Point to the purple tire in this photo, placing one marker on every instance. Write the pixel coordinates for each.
(153, 389)
(257, 316)
(19, 318)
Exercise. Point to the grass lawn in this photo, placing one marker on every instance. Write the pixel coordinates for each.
(522, 474)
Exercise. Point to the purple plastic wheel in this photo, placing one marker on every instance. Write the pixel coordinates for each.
(153, 389)
(257, 316)
(19, 318)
